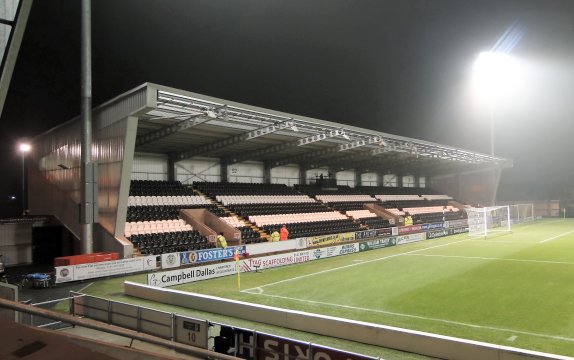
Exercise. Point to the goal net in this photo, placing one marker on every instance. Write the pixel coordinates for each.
(520, 213)
(485, 221)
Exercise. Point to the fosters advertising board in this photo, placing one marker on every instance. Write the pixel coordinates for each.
(199, 256)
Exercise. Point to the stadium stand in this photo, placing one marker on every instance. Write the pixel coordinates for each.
(259, 209)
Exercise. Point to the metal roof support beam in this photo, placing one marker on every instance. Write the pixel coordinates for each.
(270, 129)
(310, 156)
(213, 146)
(362, 142)
(354, 162)
(431, 152)
(320, 137)
(168, 100)
(260, 152)
(186, 123)
(223, 143)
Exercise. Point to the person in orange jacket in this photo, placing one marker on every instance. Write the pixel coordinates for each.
(284, 234)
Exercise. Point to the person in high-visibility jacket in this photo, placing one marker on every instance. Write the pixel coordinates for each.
(284, 233)
(275, 236)
(408, 220)
(221, 242)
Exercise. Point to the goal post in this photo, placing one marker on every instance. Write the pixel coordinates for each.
(520, 213)
(485, 221)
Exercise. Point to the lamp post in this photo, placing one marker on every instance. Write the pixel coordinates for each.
(24, 149)
(493, 73)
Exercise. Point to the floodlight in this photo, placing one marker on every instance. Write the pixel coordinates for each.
(24, 147)
(495, 72)
(496, 75)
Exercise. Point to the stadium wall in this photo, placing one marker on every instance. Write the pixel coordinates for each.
(16, 243)
(149, 167)
(390, 180)
(288, 175)
(54, 166)
(198, 169)
(246, 172)
(369, 179)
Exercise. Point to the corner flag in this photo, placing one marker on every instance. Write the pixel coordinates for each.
(236, 257)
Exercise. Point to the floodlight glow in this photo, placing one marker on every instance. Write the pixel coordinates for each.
(492, 64)
(24, 148)
(495, 73)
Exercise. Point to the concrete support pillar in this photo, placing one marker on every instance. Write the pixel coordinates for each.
(303, 173)
(267, 172)
(223, 165)
(171, 172)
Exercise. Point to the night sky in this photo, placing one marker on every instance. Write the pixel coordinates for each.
(401, 66)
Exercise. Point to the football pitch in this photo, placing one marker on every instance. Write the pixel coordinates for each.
(515, 289)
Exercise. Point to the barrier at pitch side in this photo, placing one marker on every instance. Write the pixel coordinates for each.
(105, 268)
(443, 347)
(166, 325)
(204, 272)
(197, 273)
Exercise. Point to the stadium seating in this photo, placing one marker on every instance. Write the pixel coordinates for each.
(248, 235)
(158, 188)
(152, 221)
(160, 243)
(320, 227)
(307, 210)
(213, 189)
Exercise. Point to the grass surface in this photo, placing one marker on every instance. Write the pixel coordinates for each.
(515, 289)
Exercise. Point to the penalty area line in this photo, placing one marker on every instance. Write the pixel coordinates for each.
(497, 259)
(451, 322)
(556, 237)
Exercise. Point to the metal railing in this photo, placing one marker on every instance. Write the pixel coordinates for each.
(111, 329)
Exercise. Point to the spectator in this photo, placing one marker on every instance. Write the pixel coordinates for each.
(275, 236)
(284, 233)
(408, 220)
(221, 242)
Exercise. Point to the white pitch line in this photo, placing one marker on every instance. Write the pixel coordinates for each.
(553, 221)
(556, 237)
(499, 259)
(351, 265)
(518, 242)
(423, 318)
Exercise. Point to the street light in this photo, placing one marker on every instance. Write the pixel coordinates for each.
(24, 149)
(494, 76)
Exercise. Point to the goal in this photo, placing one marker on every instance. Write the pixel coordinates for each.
(485, 221)
(520, 213)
